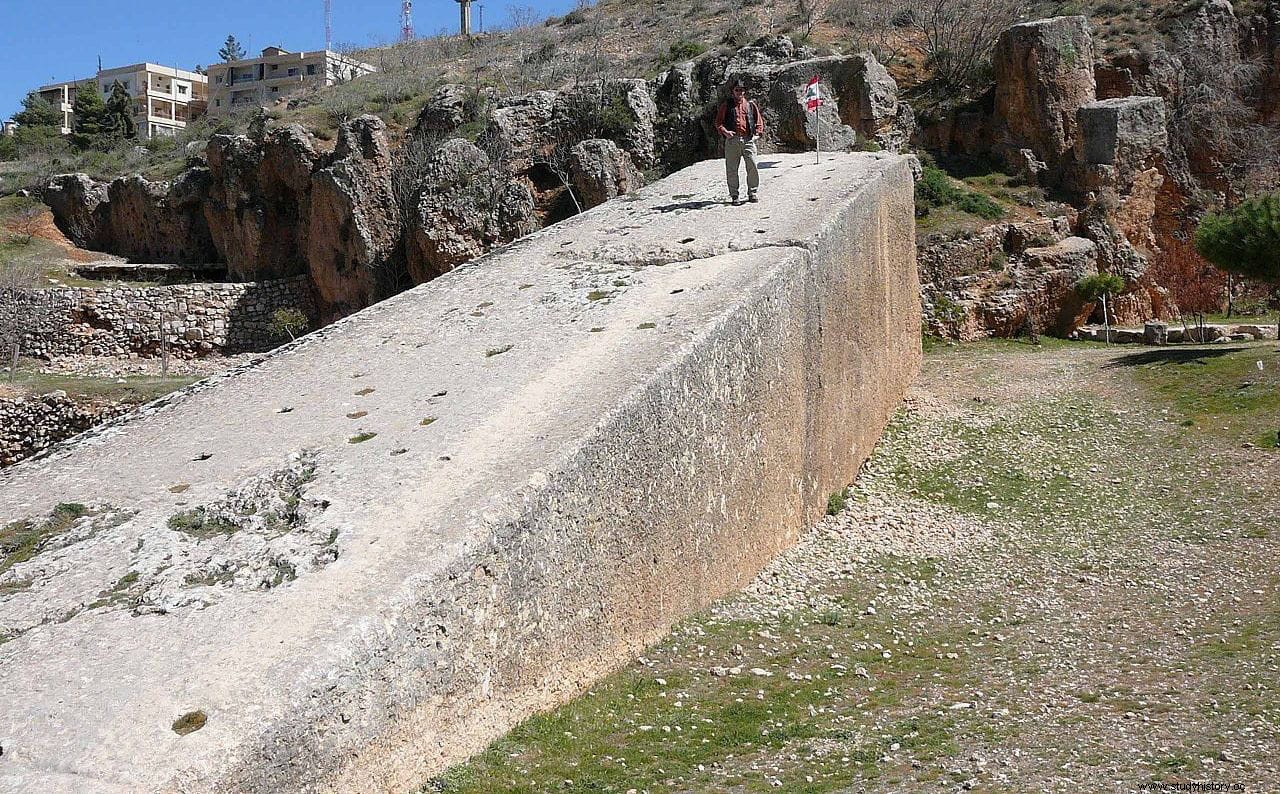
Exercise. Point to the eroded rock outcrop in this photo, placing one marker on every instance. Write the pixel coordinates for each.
(600, 171)
(467, 205)
(79, 208)
(1008, 279)
(862, 107)
(258, 201)
(353, 225)
(1044, 74)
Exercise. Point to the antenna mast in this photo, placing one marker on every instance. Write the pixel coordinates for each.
(328, 24)
(406, 20)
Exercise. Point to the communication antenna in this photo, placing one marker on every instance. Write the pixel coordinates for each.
(328, 24)
(406, 20)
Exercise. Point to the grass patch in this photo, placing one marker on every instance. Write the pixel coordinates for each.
(497, 351)
(22, 540)
(360, 438)
(1219, 390)
(201, 524)
(135, 389)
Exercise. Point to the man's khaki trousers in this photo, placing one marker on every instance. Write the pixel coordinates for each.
(737, 149)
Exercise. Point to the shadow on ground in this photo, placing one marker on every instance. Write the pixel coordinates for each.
(1170, 355)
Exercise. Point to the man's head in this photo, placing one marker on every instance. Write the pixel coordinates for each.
(737, 90)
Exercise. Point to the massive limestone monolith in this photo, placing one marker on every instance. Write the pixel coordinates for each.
(372, 552)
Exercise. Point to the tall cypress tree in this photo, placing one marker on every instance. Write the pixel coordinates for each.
(90, 123)
(118, 113)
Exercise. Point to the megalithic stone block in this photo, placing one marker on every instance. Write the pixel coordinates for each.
(362, 558)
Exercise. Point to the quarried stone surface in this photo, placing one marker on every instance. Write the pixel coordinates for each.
(366, 556)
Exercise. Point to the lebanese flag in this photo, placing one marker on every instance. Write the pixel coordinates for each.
(813, 94)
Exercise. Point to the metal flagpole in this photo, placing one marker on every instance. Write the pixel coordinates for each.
(817, 126)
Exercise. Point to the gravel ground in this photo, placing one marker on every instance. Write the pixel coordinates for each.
(1045, 580)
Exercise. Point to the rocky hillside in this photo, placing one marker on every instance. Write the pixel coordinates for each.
(1102, 154)
(377, 213)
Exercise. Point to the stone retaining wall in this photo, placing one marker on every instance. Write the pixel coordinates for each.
(198, 319)
(34, 423)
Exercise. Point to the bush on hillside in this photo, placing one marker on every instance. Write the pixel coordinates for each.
(935, 189)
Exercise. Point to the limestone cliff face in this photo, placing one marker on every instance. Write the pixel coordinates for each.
(1044, 73)
(270, 207)
(353, 224)
(258, 199)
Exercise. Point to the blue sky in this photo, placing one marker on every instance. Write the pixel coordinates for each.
(43, 42)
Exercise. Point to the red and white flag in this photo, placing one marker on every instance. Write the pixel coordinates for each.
(813, 94)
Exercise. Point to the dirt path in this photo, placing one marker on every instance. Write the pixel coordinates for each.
(1059, 573)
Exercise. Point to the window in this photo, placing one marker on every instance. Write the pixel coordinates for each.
(311, 68)
(275, 66)
(217, 103)
(182, 89)
(218, 79)
(293, 72)
(275, 89)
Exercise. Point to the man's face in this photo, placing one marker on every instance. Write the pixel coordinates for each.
(739, 92)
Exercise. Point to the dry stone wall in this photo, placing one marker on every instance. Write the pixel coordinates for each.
(30, 424)
(197, 319)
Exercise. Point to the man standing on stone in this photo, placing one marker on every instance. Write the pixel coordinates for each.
(739, 120)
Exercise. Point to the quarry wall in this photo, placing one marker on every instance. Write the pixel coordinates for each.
(365, 557)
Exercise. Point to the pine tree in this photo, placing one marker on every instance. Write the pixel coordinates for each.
(231, 50)
(118, 113)
(1244, 240)
(36, 112)
(90, 112)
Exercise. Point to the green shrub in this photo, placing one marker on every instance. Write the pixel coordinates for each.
(288, 322)
(933, 190)
(978, 204)
(836, 502)
(686, 49)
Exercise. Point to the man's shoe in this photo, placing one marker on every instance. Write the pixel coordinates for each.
(737, 202)
(753, 198)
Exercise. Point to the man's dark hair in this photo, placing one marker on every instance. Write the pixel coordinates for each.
(735, 84)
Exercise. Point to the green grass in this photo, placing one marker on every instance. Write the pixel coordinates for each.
(22, 540)
(1219, 389)
(201, 524)
(132, 389)
(360, 438)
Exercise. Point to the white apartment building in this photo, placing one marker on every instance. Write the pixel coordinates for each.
(165, 99)
(261, 82)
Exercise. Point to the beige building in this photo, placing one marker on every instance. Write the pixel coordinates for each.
(263, 81)
(164, 98)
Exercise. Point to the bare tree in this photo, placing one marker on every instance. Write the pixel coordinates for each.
(958, 35)
(869, 29)
(18, 279)
(26, 224)
(558, 163)
(521, 16)
(811, 12)
(1213, 120)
